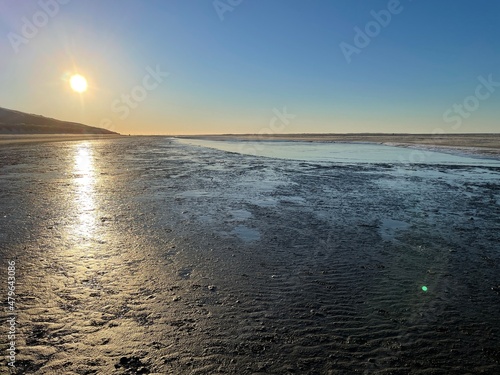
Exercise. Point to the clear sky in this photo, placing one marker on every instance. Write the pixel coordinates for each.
(289, 66)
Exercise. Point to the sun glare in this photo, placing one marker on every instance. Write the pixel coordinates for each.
(78, 83)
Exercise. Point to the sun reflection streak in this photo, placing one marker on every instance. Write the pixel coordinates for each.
(84, 180)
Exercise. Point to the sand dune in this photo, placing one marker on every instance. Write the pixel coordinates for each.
(16, 122)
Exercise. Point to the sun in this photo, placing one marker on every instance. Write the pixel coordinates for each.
(78, 83)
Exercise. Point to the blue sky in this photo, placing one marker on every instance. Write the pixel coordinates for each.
(230, 75)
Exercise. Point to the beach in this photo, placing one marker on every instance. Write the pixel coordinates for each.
(143, 255)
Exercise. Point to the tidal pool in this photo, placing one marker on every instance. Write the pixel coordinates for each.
(350, 153)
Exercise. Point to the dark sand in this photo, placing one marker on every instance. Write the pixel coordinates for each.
(143, 256)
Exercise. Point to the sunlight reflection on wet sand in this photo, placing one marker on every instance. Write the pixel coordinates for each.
(84, 198)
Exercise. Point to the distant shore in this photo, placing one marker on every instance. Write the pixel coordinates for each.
(484, 144)
(488, 144)
(8, 139)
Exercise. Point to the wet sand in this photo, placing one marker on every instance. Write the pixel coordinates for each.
(143, 256)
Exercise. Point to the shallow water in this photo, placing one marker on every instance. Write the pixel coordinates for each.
(342, 152)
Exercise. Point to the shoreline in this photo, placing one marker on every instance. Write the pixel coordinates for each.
(16, 139)
(482, 145)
